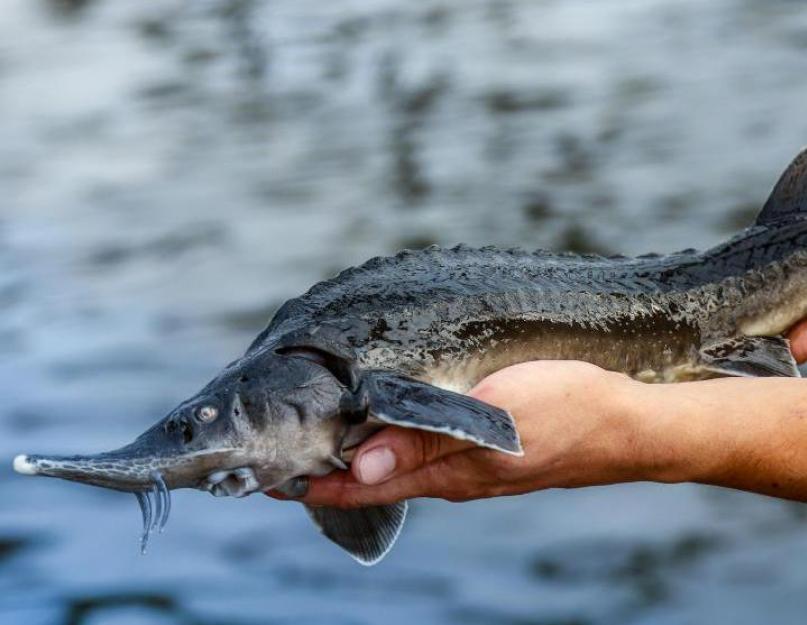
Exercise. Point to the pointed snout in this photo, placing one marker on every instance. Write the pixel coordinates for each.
(196, 439)
(24, 466)
(119, 470)
(136, 466)
(130, 468)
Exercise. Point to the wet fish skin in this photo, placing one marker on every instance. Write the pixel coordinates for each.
(452, 316)
(396, 341)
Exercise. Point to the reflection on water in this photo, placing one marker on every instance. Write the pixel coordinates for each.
(173, 172)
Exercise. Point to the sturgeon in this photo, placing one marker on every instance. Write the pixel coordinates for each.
(397, 340)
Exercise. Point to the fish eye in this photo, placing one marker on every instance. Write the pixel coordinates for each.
(206, 414)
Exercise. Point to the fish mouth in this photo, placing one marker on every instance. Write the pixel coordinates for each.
(238, 482)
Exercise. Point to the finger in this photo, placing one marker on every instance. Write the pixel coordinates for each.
(391, 452)
(798, 341)
(327, 490)
(340, 488)
(394, 451)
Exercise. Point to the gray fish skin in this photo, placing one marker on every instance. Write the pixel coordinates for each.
(398, 339)
(453, 316)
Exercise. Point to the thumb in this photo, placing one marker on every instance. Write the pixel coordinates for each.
(396, 450)
(798, 341)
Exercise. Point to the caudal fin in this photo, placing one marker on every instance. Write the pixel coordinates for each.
(789, 197)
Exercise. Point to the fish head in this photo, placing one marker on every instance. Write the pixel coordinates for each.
(267, 418)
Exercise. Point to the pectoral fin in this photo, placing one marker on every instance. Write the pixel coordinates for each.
(751, 356)
(398, 400)
(367, 534)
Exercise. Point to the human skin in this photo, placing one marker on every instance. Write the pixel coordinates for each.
(583, 426)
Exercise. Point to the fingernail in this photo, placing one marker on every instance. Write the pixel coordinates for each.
(376, 465)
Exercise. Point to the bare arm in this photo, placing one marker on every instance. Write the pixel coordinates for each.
(583, 426)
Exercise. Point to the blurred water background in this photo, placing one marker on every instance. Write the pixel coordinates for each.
(171, 172)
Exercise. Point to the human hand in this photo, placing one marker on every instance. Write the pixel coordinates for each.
(798, 341)
(580, 426)
(574, 431)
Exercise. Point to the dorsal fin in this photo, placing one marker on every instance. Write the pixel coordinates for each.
(789, 197)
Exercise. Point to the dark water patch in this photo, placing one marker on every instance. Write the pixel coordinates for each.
(601, 200)
(615, 561)
(12, 294)
(414, 241)
(537, 207)
(82, 609)
(420, 584)
(109, 255)
(740, 216)
(156, 29)
(796, 510)
(249, 547)
(147, 606)
(350, 30)
(251, 42)
(68, 9)
(576, 238)
(646, 569)
(575, 161)
(475, 616)
(254, 109)
(636, 89)
(28, 419)
(250, 319)
(612, 129)
(164, 90)
(169, 323)
(436, 19)
(408, 178)
(676, 205)
(504, 102)
(13, 545)
(422, 99)
(407, 107)
(199, 56)
(126, 362)
(175, 244)
(168, 246)
(797, 38)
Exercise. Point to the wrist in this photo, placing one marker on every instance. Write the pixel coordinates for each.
(673, 433)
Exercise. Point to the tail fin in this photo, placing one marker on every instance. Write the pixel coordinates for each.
(789, 197)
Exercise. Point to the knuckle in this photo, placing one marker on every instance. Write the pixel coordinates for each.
(501, 468)
(426, 446)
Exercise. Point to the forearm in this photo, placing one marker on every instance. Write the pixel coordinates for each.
(749, 434)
